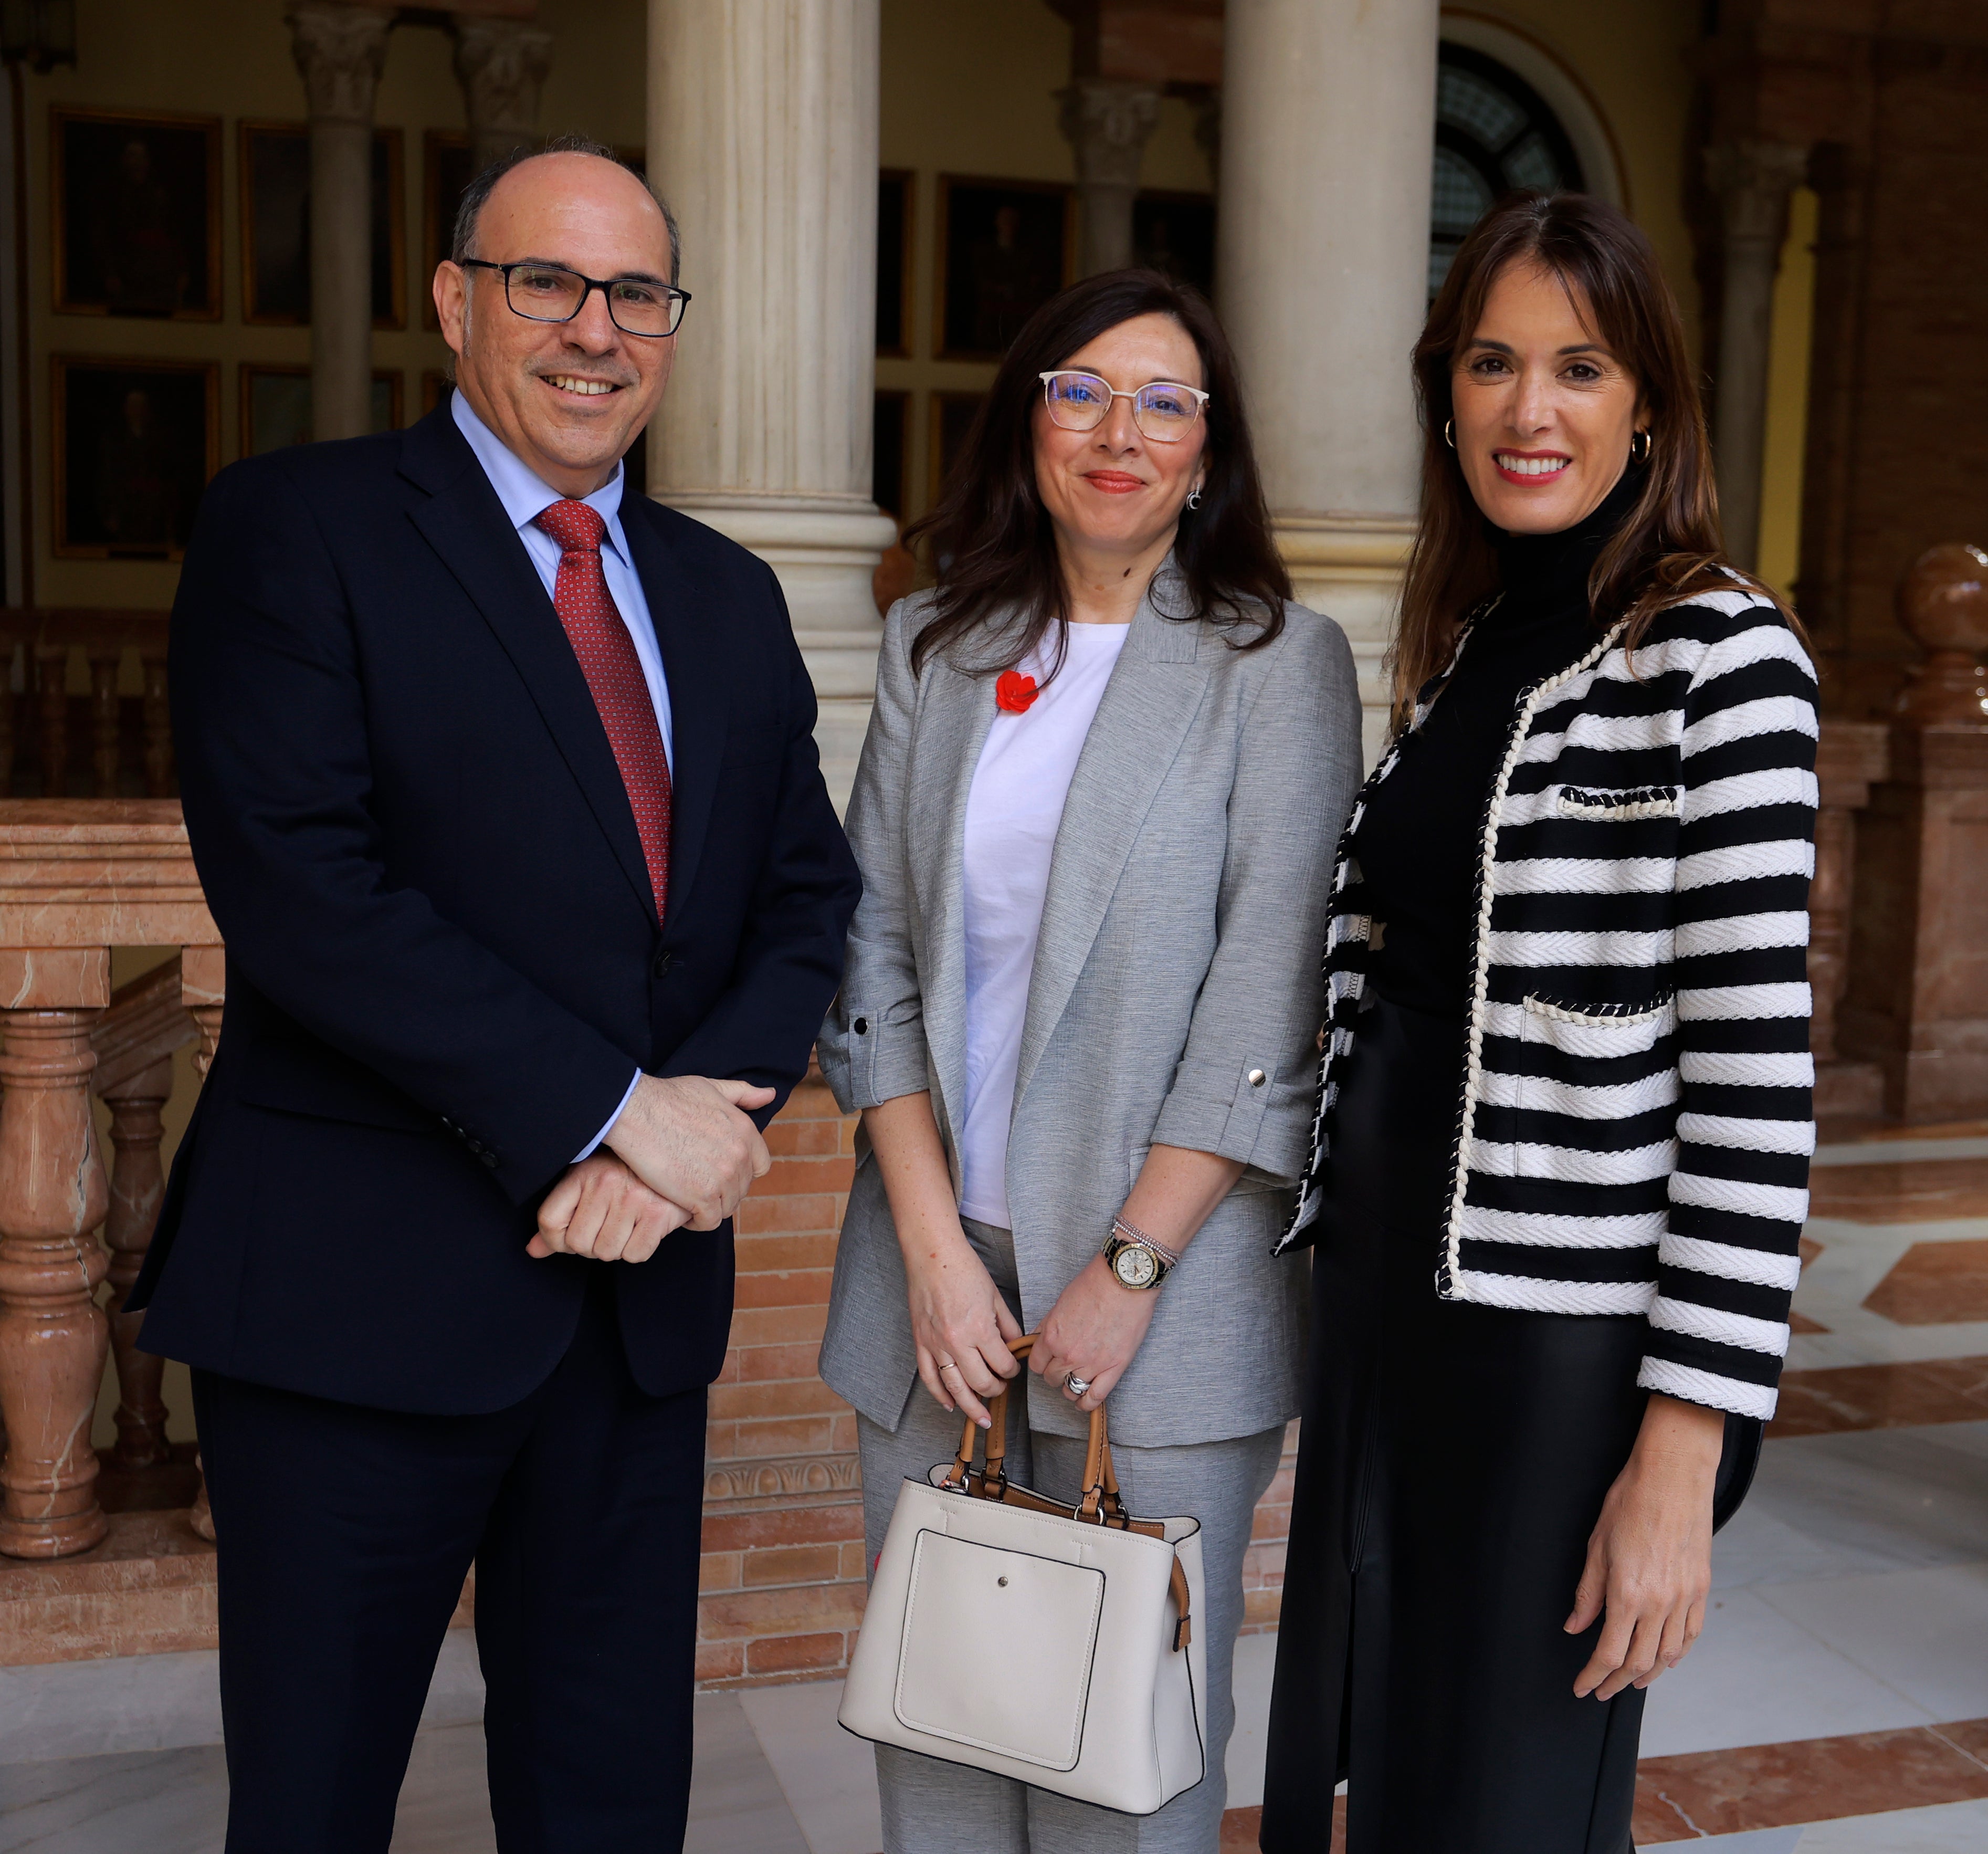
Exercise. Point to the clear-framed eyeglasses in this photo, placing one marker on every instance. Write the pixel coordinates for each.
(550, 293)
(1164, 410)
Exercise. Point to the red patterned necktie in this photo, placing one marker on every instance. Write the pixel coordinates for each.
(614, 673)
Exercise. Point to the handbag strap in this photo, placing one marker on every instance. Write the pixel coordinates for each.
(1101, 1480)
(1101, 1503)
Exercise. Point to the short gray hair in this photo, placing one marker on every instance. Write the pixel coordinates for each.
(462, 243)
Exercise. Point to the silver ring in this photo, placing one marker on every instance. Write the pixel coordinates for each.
(1076, 1386)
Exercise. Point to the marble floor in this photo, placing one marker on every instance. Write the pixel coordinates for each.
(1837, 1703)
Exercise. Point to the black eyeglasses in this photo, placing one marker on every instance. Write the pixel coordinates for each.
(550, 293)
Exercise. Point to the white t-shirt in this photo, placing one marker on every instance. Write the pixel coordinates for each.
(1012, 815)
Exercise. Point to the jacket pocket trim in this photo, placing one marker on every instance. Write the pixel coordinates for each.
(1616, 804)
(1601, 1015)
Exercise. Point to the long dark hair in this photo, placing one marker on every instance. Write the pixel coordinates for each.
(1669, 549)
(992, 542)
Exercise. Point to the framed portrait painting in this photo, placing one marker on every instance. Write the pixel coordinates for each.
(1175, 232)
(1005, 247)
(891, 453)
(275, 226)
(135, 442)
(136, 214)
(446, 170)
(894, 261)
(276, 405)
(952, 418)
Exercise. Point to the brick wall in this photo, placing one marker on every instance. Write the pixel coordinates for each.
(782, 1572)
(782, 1579)
(1263, 1563)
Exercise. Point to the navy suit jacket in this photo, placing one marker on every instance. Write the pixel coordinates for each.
(444, 960)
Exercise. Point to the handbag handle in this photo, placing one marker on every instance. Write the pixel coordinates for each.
(1100, 1480)
(1100, 1503)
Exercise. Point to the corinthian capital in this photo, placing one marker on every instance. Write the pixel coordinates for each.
(341, 51)
(501, 65)
(1753, 180)
(1107, 124)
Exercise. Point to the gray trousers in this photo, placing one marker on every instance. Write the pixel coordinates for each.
(931, 1807)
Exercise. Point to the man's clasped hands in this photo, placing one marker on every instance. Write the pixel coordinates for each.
(681, 1151)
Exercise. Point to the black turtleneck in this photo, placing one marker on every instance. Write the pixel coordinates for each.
(1420, 840)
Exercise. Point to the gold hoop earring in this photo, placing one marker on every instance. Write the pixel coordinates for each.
(1636, 455)
(1449, 432)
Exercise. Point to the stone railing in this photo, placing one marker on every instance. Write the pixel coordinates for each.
(77, 878)
(1900, 1026)
(1915, 1005)
(1851, 757)
(56, 743)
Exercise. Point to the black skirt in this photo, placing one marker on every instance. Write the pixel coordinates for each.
(1452, 1464)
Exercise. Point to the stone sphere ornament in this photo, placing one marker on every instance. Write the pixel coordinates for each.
(1943, 603)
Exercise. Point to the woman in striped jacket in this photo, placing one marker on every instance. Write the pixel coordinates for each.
(1560, 1164)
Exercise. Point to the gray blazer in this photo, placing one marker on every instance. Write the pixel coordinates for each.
(1176, 998)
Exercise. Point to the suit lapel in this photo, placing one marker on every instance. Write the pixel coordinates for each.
(1149, 702)
(465, 524)
(694, 663)
(956, 714)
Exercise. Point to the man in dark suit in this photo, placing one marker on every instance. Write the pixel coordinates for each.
(501, 781)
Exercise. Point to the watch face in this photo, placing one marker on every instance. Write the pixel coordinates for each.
(1135, 1266)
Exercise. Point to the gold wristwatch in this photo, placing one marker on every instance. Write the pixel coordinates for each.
(1134, 1259)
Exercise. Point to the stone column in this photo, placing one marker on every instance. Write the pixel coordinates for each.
(134, 1041)
(1752, 180)
(341, 51)
(53, 1336)
(1208, 135)
(1917, 1003)
(1328, 120)
(203, 992)
(1850, 757)
(501, 65)
(1107, 124)
(763, 134)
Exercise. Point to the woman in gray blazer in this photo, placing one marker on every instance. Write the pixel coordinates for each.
(1079, 1014)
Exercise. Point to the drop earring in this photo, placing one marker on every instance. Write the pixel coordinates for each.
(1194, 499)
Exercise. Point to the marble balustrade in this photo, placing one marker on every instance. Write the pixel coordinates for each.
(1901, 803)
(1916, 1001)
(111, 742)
(78, 878)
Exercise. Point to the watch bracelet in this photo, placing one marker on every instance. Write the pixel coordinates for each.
(1133, 1233)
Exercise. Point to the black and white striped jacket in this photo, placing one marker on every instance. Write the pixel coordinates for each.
(1635, 1130)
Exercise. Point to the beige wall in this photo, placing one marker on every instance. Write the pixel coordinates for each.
(1787, 399)
(232, 58)
(1630, 56)
(969, 88)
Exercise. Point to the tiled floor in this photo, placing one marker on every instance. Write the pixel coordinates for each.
(1837, 1703)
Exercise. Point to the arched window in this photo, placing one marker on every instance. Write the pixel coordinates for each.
(1493, 133)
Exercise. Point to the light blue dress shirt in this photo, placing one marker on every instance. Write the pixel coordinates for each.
(525, 496)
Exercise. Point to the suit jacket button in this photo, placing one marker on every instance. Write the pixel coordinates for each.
(488, 1157)
(1257, 1078)
(661, 964)
(861, 1027)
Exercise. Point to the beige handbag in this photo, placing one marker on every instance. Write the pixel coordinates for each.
(1050, 1643)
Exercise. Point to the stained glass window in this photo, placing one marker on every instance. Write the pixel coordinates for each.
(1493, 134)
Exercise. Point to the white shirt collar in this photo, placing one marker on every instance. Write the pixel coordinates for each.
(524, 493)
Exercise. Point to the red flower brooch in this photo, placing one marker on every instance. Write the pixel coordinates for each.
(1014, 692)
